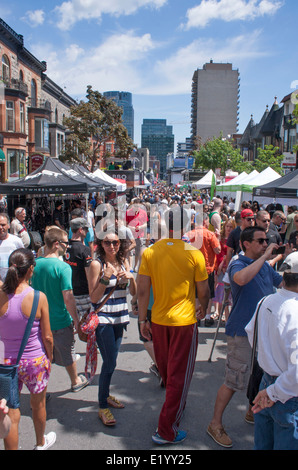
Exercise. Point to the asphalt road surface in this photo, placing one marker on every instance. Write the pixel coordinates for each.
(74, 416)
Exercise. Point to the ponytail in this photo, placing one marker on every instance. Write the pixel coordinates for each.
(19, 262)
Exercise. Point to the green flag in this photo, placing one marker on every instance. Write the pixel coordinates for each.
(213, 186)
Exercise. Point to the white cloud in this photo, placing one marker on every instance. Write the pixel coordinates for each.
(125, 62)
(114, 64)
(174, 75)
(71, 11)
(229, 10)
(34, 18)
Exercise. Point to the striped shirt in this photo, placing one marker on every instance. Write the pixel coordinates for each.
(115, 310)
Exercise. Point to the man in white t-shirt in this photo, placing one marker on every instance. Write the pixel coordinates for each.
(18, 227)
(8, 243)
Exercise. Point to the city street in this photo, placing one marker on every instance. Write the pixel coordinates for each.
(74, 416)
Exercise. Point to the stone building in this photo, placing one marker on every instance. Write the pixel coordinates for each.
(32, 108)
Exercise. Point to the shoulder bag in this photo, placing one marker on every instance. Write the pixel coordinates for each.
(9, 374)
(82, 323)
(256, 372)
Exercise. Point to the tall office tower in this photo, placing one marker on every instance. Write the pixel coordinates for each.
(158, 137)
(215, 101)
(124, 100)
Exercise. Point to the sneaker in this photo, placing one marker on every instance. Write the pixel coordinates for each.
(154, 370)
(209, 322)
(219, 435)
(49, 440)
(180, 436)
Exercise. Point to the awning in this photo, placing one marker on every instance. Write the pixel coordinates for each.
(2, 156)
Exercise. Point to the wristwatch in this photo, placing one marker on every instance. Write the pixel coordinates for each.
(104, 281)
(142, 321)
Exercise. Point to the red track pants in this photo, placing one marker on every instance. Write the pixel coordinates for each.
(175, 349)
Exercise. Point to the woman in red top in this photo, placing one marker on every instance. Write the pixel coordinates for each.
(221, 266)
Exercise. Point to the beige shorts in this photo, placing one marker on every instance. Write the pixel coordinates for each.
(237, 369)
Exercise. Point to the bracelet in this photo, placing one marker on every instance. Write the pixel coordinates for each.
(142, 321)
(103, 281)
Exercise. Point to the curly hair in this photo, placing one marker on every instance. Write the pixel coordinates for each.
(120, 255)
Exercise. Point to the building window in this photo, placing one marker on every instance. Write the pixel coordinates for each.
(21, 76)
(41, 133)
(10, 121)
(60, 143)
(33, 94)
(22, 118)
(16, 164)
(292, 139)
(5, 69)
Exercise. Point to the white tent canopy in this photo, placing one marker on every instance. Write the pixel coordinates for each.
(266, 176)
(204, 182)
(235, 180)
(101, 174)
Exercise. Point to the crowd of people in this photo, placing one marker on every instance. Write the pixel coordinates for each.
(177, 257)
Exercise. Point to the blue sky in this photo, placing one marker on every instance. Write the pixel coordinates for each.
(152, 47)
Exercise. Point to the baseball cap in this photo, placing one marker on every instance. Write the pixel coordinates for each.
(77, 223)
(290, 264)
(246, 213)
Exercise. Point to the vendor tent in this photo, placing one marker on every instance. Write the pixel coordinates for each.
(283, 190)
(101, 174)
(95, 178)
(266, 176)
(204, 182)
(225, 187)
(52, 177)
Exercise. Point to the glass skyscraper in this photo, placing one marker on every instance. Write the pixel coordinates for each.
(123, 99)
(158, 137)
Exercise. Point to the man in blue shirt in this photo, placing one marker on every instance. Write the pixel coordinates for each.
(251, 278)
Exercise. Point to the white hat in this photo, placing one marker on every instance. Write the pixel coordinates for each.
(290, 264)
(164, 201)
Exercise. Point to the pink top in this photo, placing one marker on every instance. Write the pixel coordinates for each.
(12, 328)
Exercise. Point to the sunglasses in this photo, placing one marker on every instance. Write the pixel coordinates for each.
(111, 242)
(249, 218)
(260, 240)
(63, 242)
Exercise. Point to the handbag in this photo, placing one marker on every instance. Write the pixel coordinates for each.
(9, 373)
(256, 372)
(83, 335)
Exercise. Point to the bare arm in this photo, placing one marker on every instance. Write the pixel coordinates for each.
(70, 304)
(96, 289)
(46, 332)
(203, 292)
(245, 275)
(143, 294)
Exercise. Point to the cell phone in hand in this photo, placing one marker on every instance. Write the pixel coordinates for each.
(280, 250)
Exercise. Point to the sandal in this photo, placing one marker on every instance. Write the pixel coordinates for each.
(106, 416)
(114, 403)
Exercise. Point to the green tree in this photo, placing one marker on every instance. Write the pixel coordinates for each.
(91, 124)
(269, 156)
(220, 153)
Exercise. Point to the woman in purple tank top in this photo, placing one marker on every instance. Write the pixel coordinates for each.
(16, 299)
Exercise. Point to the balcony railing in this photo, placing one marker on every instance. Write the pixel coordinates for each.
(14, 84)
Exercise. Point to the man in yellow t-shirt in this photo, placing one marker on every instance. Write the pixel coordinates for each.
(175, 270)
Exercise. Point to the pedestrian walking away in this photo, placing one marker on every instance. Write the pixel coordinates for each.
(16, 299)
(175, 270)
(54, 277)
